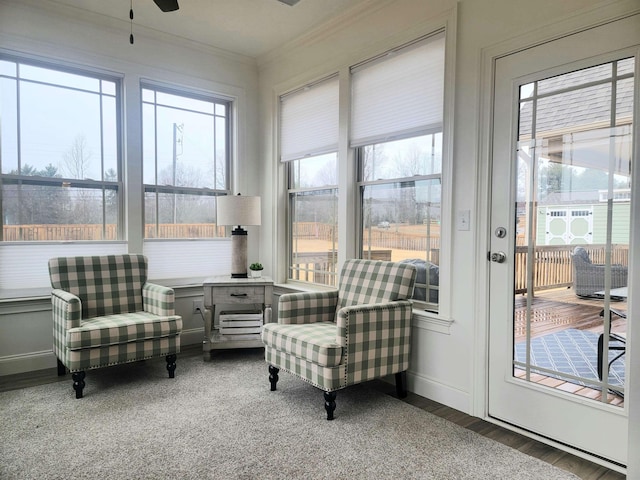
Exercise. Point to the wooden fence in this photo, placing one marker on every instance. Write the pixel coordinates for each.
(53, 233)
(376, 237)
(320, 267)
(552, 264)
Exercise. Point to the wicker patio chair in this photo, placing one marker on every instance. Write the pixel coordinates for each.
(588, 278)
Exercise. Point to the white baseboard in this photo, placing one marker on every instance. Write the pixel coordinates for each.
(438, 392)
(27, 362)
(32, 361)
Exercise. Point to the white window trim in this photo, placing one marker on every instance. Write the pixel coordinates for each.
(347, 187)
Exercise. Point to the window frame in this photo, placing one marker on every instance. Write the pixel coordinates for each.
(362, 184)
(101, 185)
(158, 189)
(324, 104)
(292, 191)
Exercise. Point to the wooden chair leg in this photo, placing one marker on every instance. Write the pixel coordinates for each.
(330, 404)
(401, 384)
(171, 365)
(62, 370)
(78, 383)
(273, 377)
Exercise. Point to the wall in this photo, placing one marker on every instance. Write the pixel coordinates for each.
(40, 28)
(443, 364)
(449, 354)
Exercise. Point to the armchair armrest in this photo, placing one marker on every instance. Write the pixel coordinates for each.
(158, 299)
(307, 307)
(67, 310)
(357, 321)
(376, 339)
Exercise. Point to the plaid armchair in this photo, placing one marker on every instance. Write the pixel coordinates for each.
(105, 313)
(342, 337)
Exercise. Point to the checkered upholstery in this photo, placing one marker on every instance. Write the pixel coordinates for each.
(342, 337)
(105, 312)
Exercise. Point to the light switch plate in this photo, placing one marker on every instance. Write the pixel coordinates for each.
(463, 220)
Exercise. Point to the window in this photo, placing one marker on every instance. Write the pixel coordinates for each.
(59, 153)
(396, 129)
(186, 156)
(309, 143)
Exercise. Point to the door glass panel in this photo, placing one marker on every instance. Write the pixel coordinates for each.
(572, 231)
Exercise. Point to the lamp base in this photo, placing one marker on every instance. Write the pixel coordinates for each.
(239, 253)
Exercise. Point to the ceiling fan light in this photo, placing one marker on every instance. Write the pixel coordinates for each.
(291, 3)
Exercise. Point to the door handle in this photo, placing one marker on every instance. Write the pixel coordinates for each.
(498, 257)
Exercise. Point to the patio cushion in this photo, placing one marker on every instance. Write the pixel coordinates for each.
(122, 328)
(315, 342)
(581, 254)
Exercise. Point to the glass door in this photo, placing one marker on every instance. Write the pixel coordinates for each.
(563, 144)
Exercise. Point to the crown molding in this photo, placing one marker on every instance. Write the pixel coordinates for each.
(323, 31)
(121, 27)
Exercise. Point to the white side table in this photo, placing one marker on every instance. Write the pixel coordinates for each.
(254, 293)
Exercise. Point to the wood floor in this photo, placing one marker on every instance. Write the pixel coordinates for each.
(582, 468)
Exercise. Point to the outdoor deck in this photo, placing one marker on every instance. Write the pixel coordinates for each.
(558, 309)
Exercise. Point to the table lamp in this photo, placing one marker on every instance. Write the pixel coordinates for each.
(238, 210)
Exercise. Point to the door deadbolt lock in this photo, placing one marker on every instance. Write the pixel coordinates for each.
(498, 257)
(501, 232)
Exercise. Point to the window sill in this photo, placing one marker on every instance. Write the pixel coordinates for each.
(432, 322)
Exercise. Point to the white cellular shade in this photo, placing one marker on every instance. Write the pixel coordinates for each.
(24, 267)
(399, 95)
(309, 121)
(187, 261)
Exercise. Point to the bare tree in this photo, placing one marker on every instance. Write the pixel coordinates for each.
(76, 160)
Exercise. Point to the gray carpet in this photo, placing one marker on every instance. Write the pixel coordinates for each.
(218, 420)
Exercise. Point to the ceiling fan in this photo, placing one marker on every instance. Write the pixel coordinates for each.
(172, 5)
(167, 5)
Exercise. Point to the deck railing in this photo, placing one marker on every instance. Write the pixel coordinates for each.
(320, 267)
(552, 264)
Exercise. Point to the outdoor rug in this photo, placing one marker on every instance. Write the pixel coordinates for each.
(574, 352)
(218, 420)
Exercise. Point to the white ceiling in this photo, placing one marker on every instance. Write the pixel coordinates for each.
(247, 27)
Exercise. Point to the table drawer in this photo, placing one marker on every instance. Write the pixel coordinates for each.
(237, 295)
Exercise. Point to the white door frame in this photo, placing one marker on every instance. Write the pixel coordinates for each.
(489, 55)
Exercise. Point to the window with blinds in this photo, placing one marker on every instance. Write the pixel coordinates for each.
(397, 131)
(308, 145)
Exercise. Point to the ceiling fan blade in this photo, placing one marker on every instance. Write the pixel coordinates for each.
(291, 3)
(167, 5)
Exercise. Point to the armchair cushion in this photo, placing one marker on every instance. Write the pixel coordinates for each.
(315, 342)
(121, 328)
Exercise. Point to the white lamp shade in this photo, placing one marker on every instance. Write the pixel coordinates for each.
(238, 210)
